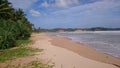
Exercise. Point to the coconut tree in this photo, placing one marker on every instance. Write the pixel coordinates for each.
(18, 14)
(5, 9)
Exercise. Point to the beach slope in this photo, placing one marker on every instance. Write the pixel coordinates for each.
(62, 57)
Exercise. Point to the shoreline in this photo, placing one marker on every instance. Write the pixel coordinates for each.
(84, 50)
(62, 57)
(58, 56)
(88, 46)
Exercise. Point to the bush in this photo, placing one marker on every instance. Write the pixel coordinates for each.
(13, 25)
(24, 30)
(7, 38)
(10, 31)
(21, 30)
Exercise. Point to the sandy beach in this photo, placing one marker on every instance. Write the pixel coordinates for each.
(84, 50)
(64, 53)
(67, 54)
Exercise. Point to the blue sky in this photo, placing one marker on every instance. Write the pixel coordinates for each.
(71, 13)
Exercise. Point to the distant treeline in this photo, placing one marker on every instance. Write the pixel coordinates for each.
(101, 29)
(74, 29)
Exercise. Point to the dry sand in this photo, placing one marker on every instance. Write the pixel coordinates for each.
(63, 58)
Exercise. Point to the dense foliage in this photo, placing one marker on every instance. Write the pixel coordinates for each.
(13, 25)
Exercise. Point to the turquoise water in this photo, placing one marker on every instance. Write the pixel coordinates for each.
(105, 41)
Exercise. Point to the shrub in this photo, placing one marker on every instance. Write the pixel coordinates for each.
(10, 31)
(24, 31)
(21, 31)
(6, 36)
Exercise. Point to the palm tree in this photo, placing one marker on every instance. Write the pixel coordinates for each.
(5, 9)
(18, 14)
(8, 12)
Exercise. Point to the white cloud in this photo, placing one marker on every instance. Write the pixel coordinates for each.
(24, 4)
(92, 14)
(102, 5)
(35, 13)
(45, 4)
(60, 3)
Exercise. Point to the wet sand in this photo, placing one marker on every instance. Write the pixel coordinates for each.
(84, 50)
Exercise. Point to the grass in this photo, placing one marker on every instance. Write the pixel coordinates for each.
(18, 52)
(23, 42)
(32, 64)
(37, 64)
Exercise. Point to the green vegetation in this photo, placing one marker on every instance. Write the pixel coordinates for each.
(15, 30)
(37, 64)
(13, 25)
(22, 51)
(32, 64)
(10, 54)
(23, 42)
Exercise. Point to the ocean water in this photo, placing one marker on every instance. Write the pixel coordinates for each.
(105, 41)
